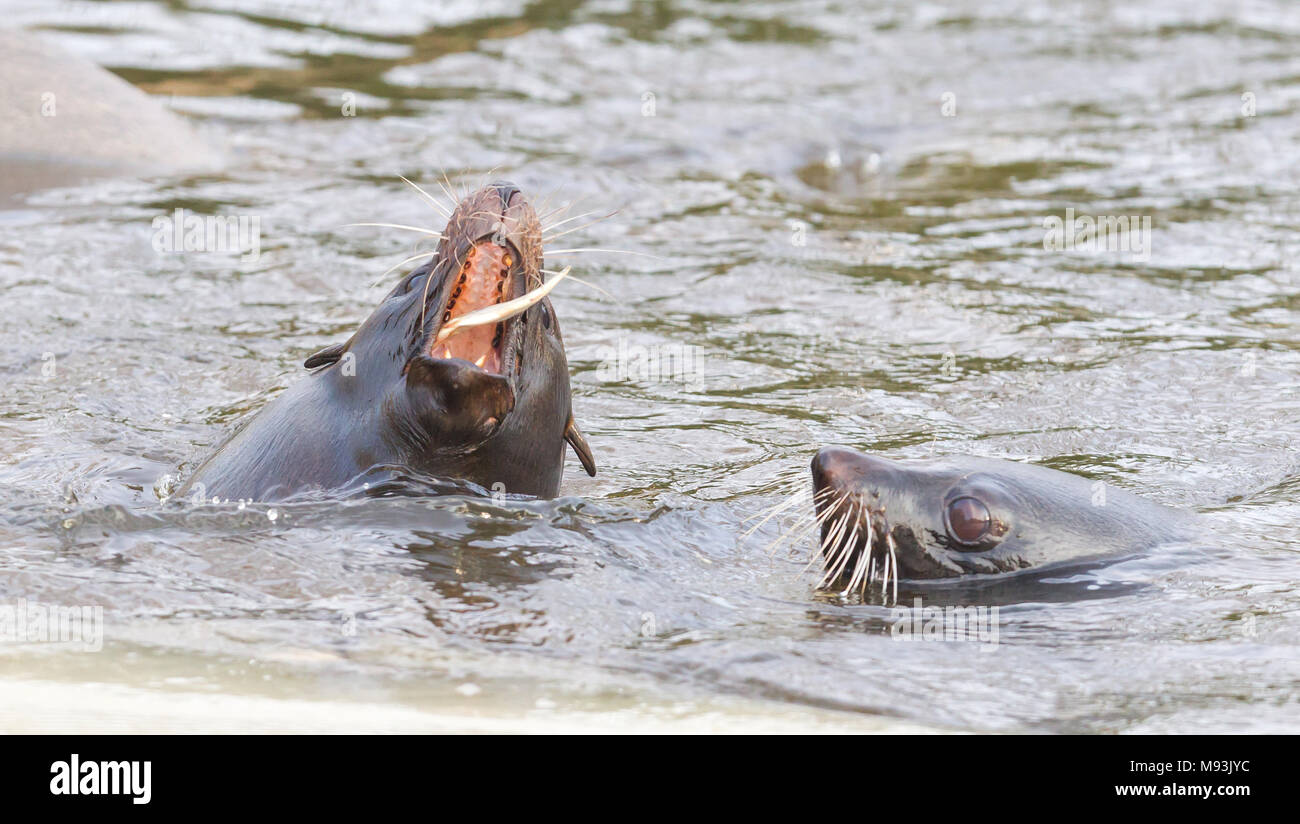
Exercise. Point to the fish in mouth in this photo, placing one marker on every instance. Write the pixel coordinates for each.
(882, 521)
(459, 373)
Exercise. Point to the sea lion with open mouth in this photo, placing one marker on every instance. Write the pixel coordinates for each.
(460, 373)
(882, 520)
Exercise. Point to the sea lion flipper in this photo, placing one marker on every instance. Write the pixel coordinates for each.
(326, 356)
(580, 446)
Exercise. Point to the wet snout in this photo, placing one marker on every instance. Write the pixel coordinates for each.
(506, 191)
(835, 469)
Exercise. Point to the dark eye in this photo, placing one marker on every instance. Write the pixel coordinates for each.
(969, 521)
(546, 317)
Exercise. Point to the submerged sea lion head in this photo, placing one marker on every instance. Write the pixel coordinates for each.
(883, 519)
(487, 403)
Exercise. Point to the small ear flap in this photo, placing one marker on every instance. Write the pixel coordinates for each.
(326, 356)
(580, 446)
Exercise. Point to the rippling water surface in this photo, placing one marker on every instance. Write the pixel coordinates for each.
(839, 213)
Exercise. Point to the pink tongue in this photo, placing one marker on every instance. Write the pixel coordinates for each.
(484, 270)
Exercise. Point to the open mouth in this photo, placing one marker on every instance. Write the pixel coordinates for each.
(484, 280)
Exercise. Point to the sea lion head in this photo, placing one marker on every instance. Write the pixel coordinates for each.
(487, 403)
(962, 515)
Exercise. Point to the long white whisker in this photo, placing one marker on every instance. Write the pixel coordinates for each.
(399, 264)
(483, 178)
(612, 251)
(586, 283)
(551, 238)
(780, 507)
(817, 523)
(893, 561)
(797, 533)
(848, 552)
(428, 232)
(845, 553)
(575, 217)
(861, 566)
(884, 580)
(546, 202)
(843, 558)
(825, 550)
(429, 198)
(791, 487)
(832, 541)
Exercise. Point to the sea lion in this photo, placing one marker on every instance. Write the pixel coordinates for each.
(489, 404)
(882, 520)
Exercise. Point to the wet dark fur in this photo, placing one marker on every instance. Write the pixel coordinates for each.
(1042, 516)
(377, 401)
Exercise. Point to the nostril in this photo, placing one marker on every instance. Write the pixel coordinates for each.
(831, 462)
(505, 190)
(839, 467)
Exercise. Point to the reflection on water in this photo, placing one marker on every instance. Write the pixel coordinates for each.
(840, 211)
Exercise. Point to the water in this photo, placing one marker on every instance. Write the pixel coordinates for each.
(850, 265)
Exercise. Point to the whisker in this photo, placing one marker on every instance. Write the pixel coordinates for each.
(546, 229)
(797, 499)
(552, 238)
(611, 251)
(884, 581)
(543, 202)
(824, 545)
(428, 232)
(398, 265)
(793, 535)
(861, 566)
(846, 549)
(424, 299)
(869, 554)
(781, 506)
(893, 561)
(446, 187)
(547, 200)
(833, 540)
(428, 197)
(483, 178)
(805, 529)
(586, 283)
